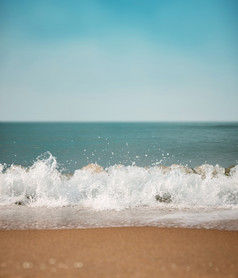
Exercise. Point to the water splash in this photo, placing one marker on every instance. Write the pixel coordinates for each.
(118, 187)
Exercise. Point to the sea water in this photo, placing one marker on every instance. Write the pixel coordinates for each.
(79, 175)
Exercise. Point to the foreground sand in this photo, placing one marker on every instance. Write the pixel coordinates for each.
(119, 252)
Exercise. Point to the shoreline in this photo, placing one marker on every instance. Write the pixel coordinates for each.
(119, 252)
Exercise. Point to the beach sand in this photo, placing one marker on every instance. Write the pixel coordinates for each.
(119, 252)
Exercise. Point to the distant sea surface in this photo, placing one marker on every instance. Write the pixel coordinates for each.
(143, 144)
(162, 174)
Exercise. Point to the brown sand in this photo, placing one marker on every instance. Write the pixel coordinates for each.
(119, 252)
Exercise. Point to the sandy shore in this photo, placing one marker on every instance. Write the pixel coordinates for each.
(119, 252)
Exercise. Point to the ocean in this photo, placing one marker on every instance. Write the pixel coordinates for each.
(81, 175)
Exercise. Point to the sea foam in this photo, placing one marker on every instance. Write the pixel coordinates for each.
(118, 187)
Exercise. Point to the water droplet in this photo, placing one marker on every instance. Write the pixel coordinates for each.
(78, 264)
(52, 261)
(27, 265)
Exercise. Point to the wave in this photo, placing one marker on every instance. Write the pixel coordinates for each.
(118, 187)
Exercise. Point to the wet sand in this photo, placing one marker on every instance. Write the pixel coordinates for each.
(119, 252)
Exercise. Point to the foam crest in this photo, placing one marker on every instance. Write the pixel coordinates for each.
(118, 187)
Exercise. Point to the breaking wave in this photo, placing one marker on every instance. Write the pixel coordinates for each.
(118, 187)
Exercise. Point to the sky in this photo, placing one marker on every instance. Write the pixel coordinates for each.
(124, 60)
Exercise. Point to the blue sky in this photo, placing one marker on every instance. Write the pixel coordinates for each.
(119, 60)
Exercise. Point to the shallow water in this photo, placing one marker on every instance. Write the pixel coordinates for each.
(78, 217)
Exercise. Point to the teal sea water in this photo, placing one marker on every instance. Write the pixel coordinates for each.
(143, 144)
(160, 174)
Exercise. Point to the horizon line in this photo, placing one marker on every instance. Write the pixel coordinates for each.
(164, 121)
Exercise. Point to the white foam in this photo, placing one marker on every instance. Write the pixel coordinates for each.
(118, 187)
